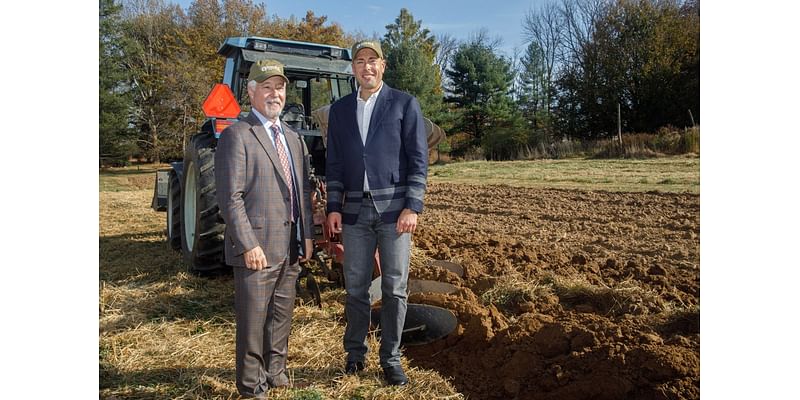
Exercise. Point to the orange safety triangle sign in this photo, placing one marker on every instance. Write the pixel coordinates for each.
(221, 103)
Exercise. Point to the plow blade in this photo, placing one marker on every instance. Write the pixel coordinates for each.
(450, 266)
(424, 324)
(414, 286)
(425, 286)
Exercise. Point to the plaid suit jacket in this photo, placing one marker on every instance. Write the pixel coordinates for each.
(252, 191)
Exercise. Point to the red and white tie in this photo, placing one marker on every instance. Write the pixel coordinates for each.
(276, 134)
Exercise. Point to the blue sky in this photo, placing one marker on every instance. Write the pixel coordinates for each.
(458, 18)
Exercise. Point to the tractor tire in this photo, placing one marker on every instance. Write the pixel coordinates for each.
(174, 211)
(202, 237)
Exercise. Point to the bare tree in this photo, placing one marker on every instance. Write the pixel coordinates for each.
(447, 47)
(481, 36)
(579, 19)
(516, 63)
(546, 27)
(444, 55)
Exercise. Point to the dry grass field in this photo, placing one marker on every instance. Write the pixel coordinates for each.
(568, 293)
(166, 334)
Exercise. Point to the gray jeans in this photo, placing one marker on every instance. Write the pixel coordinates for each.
(360, 241)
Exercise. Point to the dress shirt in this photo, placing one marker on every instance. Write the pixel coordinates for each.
(364, 115)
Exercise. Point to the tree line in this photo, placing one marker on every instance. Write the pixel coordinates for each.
(584, 61)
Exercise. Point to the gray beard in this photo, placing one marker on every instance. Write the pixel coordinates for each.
(270, 114)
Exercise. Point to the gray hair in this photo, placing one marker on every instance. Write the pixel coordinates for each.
(251, 84)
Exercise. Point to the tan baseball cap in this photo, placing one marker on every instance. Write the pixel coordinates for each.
(367, 44)
(262, 70)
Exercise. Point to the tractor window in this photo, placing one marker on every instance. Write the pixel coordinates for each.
(320, 92)
(243, 99)
(325, 91)
(294, 94)
(344, 87)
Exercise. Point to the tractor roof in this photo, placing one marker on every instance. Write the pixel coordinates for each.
(279, 45)
(298, 56)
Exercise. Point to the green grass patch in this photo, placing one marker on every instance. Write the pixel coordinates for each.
(129, 178)
(669, 174)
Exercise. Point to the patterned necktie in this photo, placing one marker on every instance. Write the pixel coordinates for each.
(276, 134)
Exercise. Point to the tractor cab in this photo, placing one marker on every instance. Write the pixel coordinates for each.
(318, 76)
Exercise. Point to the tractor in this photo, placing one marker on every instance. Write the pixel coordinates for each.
(318, 76)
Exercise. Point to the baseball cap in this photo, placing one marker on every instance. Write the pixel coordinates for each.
(262, 70)
(367, 44)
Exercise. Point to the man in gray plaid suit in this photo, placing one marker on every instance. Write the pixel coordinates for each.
(264, 193)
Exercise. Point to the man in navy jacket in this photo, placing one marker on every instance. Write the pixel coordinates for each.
(376, 170)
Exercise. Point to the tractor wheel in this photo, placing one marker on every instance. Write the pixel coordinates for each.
(203, 235)
(174, 211)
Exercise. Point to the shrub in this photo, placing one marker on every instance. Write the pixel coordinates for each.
(667, 141)
(473, 153)
(690, 141)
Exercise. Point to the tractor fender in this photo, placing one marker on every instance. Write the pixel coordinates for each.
(177, 166)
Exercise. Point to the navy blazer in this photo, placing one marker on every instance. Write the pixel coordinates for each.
(395, 156)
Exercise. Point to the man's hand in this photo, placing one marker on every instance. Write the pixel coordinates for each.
(407, 222)
(255, 259)
(309, 249)
(335, 222)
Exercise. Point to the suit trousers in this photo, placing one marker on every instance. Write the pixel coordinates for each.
(264, 302)
(360, 241)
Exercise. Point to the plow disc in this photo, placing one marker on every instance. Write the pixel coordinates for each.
(424, 324)
(448, 265)
(426, 286)
(414, 286)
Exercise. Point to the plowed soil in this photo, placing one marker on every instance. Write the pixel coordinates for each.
(598, 292)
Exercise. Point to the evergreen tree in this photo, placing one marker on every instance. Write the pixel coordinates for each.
(410, 56)
(405, 29)
(481, 82)
(534, 90)
(116, 138)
